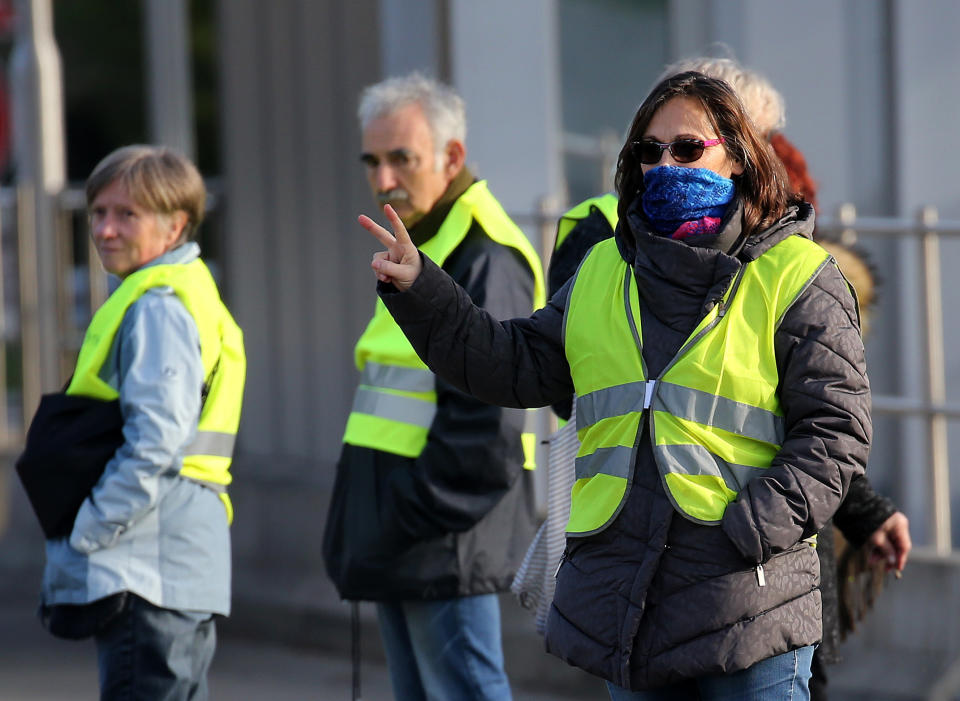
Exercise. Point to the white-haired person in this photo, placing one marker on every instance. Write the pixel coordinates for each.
(432, 507)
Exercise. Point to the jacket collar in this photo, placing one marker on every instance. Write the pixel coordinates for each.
(798, 220)
(430, 224)
(184, 253)
(680, 281)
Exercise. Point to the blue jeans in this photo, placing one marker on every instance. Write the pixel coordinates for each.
(155, 654)
(445, 649)
(780, 678)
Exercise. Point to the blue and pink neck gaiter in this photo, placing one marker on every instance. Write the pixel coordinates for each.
(684, 202)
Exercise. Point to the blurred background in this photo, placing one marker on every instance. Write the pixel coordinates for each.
(263, 96)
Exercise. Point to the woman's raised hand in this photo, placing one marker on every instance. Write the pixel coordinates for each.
(400, 264)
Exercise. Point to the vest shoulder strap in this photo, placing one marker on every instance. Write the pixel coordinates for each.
(477, 203)
(607, 204)
(794, 262)
(202, 302)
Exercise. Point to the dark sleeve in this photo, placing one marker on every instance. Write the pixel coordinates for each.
(825, 396)
(862, 512)
(515, 363)
(473, 453)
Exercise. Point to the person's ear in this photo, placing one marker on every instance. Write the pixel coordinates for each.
(737, 167)
(177, 223)
(455, 156)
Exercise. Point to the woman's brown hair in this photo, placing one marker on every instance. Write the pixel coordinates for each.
(762, 187)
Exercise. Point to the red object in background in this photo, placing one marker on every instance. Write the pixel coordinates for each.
(801, 182)
(7, 16)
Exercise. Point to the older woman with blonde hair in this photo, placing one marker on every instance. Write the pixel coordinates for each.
(142, 561)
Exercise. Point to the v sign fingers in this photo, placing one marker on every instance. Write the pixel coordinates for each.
(400, 264)
(399, 230)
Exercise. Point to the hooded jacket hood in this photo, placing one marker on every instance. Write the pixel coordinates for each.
(798, 219)
(680, 281)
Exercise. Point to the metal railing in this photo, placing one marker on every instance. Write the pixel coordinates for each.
(927, 229)
(22, 311)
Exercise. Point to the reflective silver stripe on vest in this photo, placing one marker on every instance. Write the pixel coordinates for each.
(394, 407)
(396, 377)
(212, 443)
(697, 460)
(719, 412)
(608, 402)
(617, 460)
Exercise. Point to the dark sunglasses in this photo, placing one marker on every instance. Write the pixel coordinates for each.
(683, 151)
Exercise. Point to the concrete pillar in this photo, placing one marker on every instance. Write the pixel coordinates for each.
(166, 30)
(426, 20)
(38, 151)
(513, 98)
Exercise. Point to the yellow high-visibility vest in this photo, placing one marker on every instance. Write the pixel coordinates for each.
(714, 414)
(607, 204)
(396, 400)
(207, 459)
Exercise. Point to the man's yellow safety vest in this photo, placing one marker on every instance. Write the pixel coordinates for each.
(607, 204)
(207, 460)
(714, 415)
(396, 400)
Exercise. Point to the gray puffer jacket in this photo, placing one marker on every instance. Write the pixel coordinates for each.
(656, 598)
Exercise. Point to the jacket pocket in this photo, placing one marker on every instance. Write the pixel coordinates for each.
(80, 621)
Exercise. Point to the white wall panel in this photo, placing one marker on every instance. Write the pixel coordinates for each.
(504, 61)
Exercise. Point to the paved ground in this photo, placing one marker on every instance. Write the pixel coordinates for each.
(37, 667)
(299, 652)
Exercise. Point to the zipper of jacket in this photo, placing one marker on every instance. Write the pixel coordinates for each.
(761, 578)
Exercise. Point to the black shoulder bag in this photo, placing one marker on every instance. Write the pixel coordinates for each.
(69, 442)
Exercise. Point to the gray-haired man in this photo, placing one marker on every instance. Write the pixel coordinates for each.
(432, 508)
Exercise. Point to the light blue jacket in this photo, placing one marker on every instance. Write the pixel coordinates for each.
(144, 528)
